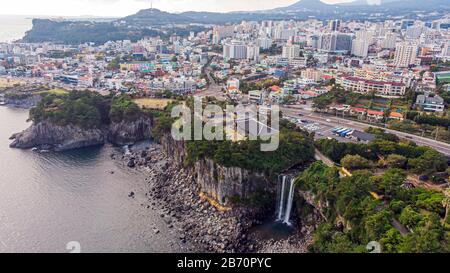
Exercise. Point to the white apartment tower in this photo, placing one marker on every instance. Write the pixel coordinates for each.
(221, 32)
(264, 43)
(405, 54)
(446, 50)
(360, 46)
(253, 53)
(235, 50)
(291, 51)
(389, 41)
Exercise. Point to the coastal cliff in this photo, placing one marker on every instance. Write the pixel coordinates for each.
(71, 120)
(228, 185)
(25, 102)
(225, 185)
(127, 133)
(49, 136)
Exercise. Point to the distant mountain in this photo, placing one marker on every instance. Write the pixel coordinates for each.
(77, 32)
(136, 26)
(416, 4)
(354, 3)
(155, 17)
(306, 6)
(403, 4)
(316, 5)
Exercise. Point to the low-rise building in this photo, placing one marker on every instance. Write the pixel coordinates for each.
(255, 96)
(362, 136)
(381, 88)
(430, 103)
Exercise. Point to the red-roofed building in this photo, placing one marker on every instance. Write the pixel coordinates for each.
(395, 115)
(375, 115)
(358, 110)
(275, 88)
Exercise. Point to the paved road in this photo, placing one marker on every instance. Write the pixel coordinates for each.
(324, 159)
(215, 90)
(442, 147)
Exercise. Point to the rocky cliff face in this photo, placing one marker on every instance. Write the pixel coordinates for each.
(46, 135)
(127, 133)
(25, 103)
(223, 184)
(319, 207)
(58, 138)
(176, 150)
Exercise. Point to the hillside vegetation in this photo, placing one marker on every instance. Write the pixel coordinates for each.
(84, 109)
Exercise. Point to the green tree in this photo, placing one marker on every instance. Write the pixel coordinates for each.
(123, 108)
(410, 218)
(391, 241)
(396, 161)
(430, 162)
(428, 237)
(391, 182)
(355, 162)
(114, 64)
(378, 224)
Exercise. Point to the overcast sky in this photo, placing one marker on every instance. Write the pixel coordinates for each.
(127, 7)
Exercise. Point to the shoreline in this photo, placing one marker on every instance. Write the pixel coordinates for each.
(201, 226)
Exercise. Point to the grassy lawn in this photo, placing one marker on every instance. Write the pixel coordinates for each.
(148, 103)
(56, 91)
(381, 104)
(4, 83)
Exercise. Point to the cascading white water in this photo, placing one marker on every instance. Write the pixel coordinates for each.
(286, 198)
(287, 215)
(281, 198)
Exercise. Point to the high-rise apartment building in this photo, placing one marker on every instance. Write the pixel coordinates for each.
(360, 46)
(405, 54)
(389, 41)
(334, 42)
(334, 25)
(221, 32)
(291, 51)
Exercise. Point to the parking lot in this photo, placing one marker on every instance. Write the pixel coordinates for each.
(321, 130)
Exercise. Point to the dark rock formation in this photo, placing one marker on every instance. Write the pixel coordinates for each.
(61, 138)
(57, 138)
(127, 133)
(218, 182)
(131, 163)
(25, 103)
(223, 183)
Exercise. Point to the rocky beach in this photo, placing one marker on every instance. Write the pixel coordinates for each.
(175, 192)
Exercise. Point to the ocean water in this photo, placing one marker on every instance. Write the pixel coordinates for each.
(13, 27)
(51, 199)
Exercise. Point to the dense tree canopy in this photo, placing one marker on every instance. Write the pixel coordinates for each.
(364, 218)
(84, 109)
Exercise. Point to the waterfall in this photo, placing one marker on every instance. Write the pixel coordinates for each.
(287, 215)
(281, 198)
(286, 198)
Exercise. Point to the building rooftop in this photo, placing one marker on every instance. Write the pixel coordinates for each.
(363, 136)
(427, 99)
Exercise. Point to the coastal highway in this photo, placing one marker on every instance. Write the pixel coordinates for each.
(307, 114)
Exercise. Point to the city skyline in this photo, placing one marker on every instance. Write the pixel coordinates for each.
(117, 8)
